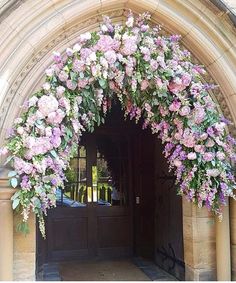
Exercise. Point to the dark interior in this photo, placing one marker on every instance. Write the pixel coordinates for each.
(146, 220)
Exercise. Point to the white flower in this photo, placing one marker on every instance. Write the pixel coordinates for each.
(46, 86)
(85, 36)
(93, 56)
(76, 47)
(18, 121)
(20, 130)
(104, 28)
(32, 101)
(49, 72)
(69, 52)
(130, 22)
(213, 172)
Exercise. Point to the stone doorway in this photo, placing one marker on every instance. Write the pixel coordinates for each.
(151, 225)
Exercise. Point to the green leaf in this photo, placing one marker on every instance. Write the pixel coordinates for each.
(11, 174)
(14, 182)
(23, 227)
(102, 83)
(9, 158)
(53, 153)
(15, 203)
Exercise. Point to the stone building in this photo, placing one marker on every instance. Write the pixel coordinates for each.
(186, 241)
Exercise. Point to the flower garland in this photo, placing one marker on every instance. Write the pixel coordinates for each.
(153, 78)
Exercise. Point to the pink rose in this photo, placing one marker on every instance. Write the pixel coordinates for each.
(192, 155)
(184, 111)
(175, 105)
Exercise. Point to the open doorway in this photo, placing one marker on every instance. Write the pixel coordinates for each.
(119, 201)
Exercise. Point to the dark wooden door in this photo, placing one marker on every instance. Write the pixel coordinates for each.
(90, 224)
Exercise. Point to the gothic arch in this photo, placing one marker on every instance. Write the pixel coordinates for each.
(27, 43)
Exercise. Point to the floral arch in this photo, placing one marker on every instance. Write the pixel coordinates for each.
(153, 77)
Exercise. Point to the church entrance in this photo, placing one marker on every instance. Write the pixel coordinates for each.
(117, 202)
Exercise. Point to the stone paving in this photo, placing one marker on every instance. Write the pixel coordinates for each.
(136, 269)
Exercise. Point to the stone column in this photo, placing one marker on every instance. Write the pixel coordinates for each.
(6, 231)
(223, 259)
(199, 243)
(232, 207)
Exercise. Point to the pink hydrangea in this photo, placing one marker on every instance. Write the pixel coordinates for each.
(56, 117)
(47, 104)
(110, 56)
(129, 45)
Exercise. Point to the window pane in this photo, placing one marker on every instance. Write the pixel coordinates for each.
(82, 151)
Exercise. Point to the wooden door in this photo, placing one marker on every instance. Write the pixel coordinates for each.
(90, 224)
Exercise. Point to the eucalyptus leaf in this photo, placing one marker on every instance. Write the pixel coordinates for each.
(9, 158)
(53, 153)
(12, 174)
(15, 203)
(14, 182)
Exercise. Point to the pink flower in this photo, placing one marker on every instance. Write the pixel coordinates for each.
(47, 104)
(20, 130)
(144, 84)
(56, 117)
(159, 82)
(175, 105)
(220, 155)
(192, 155)
(184, 111)
(110, 56)
(129, 45)
(153, 65)
(213, 172)
(208, 156)
(106, 42)
(3, 151)
(71, 85)
(49, 72)
(57, 57)
(186, 79)
(188, 139)
(176, 87)
(59, 91)
(64, 102)
(82, 83)
(177, 163)
(210, 143)
(63, 76)
(199, 148)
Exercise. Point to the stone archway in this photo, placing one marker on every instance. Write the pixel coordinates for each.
(213, 58)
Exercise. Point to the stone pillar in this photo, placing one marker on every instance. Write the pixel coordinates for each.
(232, 207)
(223, 259)
(6, 231)
(199, 243)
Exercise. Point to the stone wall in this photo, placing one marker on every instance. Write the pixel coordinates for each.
(199, 243)
(24, 251)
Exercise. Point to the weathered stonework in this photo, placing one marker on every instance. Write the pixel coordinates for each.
(24, 251)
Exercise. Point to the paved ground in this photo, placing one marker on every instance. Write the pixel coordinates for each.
(112, 270)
